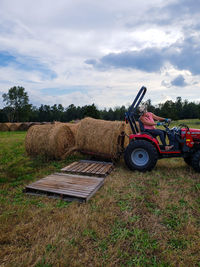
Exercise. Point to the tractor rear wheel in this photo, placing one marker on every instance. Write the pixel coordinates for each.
(140, 155)
(196, 161)
(188, 160)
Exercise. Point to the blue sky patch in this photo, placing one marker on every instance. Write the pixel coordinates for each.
(27, 64)
(6, 59)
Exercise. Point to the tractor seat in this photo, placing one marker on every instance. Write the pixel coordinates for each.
(145, 132)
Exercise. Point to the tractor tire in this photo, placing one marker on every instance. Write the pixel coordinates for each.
(188, 161)
(196, 161)
(140, 155)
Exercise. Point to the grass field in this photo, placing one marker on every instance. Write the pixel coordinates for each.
(135, 219)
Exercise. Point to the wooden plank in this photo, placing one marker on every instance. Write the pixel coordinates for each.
(100, 170)
(90, 167)
(83, 170)
(70, 166)
(70, 179)
(71, 193)
(66, 185)
(74, 167)
(81, 179)
(94, 161)
(95, 190)
(59, 184)
(82, 166)
(95, 170)
(94, 165)
(107, 169)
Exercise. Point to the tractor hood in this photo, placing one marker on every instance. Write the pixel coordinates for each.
(193, 132)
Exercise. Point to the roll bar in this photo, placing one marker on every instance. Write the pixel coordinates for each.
(129, 115)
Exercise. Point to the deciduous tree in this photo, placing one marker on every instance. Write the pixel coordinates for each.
(17, 104)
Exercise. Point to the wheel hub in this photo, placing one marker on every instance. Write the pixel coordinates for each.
(140, 157)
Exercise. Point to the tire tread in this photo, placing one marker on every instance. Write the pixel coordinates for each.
(143, 144)
(195, 161)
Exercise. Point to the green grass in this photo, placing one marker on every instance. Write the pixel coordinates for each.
(193, 123)
(135, 219)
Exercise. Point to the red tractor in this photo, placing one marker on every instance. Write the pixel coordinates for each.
(144, 149)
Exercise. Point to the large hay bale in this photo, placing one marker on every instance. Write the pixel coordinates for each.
(74, 128)
(53, 141)
(4, 127)
(99, 137)
(8, 124)
(30, 124)
(15, 126)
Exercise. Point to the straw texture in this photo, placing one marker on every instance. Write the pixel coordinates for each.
(99, 136)
(4, 127)
(52, 141)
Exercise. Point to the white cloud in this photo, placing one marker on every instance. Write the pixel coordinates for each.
(61, 35)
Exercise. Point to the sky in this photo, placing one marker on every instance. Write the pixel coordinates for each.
(87, 51)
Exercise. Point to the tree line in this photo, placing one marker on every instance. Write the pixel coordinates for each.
(18, 109)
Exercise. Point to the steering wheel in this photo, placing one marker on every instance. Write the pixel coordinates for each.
(166, 123)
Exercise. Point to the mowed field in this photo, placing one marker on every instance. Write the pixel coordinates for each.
(135, 219)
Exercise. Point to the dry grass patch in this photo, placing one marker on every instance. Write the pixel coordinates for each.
(135, 219)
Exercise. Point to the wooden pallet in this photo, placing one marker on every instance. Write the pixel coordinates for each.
(89, 167)
(66, 186)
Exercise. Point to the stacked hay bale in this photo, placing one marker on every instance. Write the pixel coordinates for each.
(30, 124)
(24, 126)
(53, 141)
(100, 137)
(4, 127)
(15, 126)
(8, 125)
(90, 136)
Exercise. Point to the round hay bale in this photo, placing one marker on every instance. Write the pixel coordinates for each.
(4, 127)
(100, 137)
(44, 122)
(73, 127)
(8, 125)
(53, 141)
(15, 126)
(30, 124)
(23, 126)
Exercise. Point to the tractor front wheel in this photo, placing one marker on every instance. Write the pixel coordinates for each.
(196, 161)
(140, 155)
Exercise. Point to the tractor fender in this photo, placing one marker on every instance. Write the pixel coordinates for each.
(146, 137)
